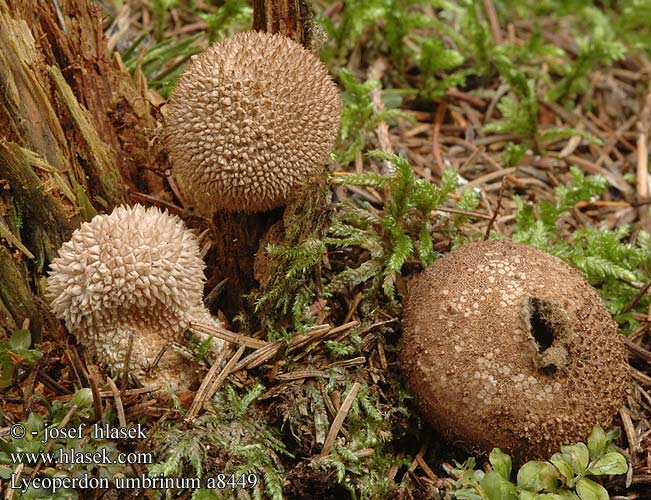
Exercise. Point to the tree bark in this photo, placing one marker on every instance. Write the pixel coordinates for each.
(72, 128)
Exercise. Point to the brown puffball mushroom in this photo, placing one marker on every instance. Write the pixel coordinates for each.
(136, 272)
(252, 117)
(506, 346)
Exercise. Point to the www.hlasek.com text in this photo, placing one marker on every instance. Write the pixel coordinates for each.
(71, 456)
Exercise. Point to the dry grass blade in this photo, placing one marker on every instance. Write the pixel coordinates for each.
(127, 360)
(494, 23)
(642, 378)
(633, 442)
(375, 72)
(301, 374)
(202, 392)
(485, 179)
(118, 402)
(217, 383)
(643, 160)
(227, 335)
(271, 349)
(339, 419)
(638, 351)
(360, 360)
(426, 469)
(16, 477)
(64, 421)
(467, 213)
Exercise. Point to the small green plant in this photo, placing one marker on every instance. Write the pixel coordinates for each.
(33, 449)
(290, 289)
(162, 63)
(566, 476)
(608, 258)
(231, 16)
(381, 24)
(538, 225)
(520, 110)
(15, 353)
(601, 46)
(435, 61)
(162, 59)
(358, 116)
(233, 439)
(634, 24)
(403, 229)
(160, 8)
(480, 43)
(368, 427)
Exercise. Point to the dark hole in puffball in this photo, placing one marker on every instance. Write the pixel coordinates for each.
(549, 369)
(542, 329)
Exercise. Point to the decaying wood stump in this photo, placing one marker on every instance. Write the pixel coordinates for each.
(72, 135)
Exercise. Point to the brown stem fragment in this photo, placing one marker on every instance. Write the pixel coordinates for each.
(236, 240)
(292, 18)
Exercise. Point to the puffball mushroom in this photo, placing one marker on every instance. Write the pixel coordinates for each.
(252, 118)
(134, 273)
(506, 346)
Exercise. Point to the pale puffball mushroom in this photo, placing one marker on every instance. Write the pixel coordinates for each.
(136, 272)
(506, 346)
(251, 119)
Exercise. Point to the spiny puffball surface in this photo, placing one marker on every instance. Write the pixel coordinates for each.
(136, 272)
(252, 118)
(506, 346)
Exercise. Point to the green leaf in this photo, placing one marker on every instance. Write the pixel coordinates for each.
(426, 246)
(610, 464)
(402, 248)
(469, 200)
(597, 442)
(35, 423)
(589, 490)
(434, 57)
(567, 495)
(83, 398)
(537, 476)
(372, 179)
(21, 339)
(614, 434)
(579, 456)
(501, 463)
(561, 133)
(449, 181)
(204, 494)
(7, 370)
(498, 488)
(564, 465)
(5, 472)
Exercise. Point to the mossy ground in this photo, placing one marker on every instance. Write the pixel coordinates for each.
(525, 120)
